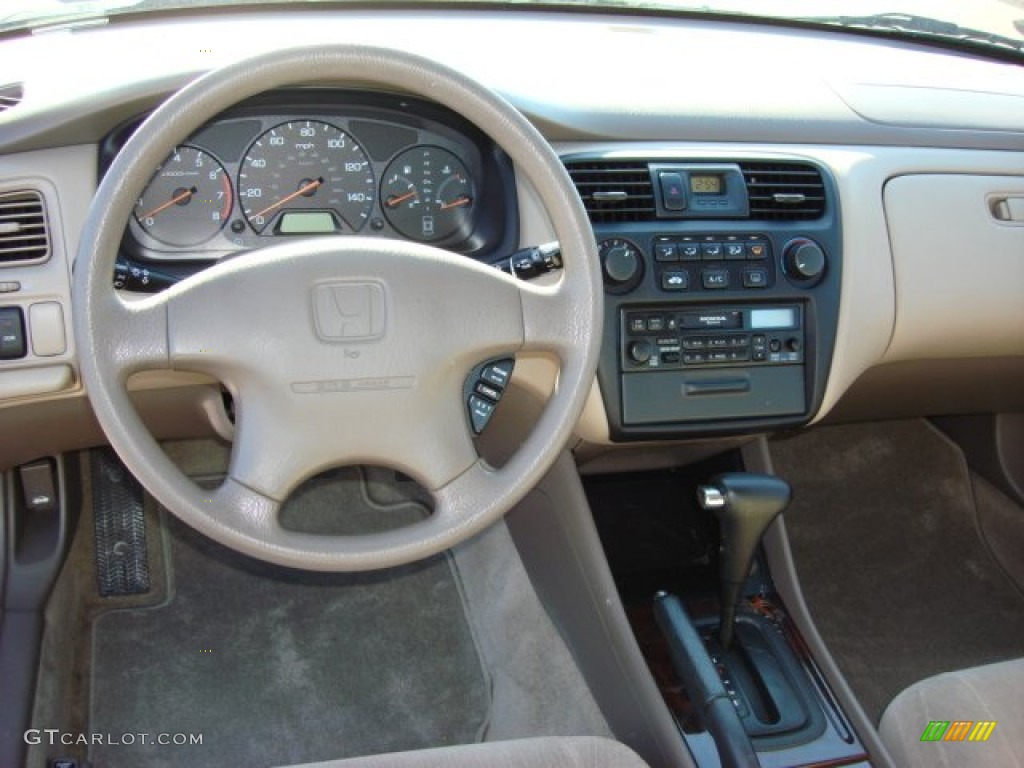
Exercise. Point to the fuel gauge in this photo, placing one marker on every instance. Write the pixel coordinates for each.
(427, 194)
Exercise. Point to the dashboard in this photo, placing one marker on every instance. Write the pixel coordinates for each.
(919, 152)
(315, 162)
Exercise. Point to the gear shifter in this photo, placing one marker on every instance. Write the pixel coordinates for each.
(745, 505)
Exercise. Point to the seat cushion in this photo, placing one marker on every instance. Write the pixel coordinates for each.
(574, 752)
(966, 700)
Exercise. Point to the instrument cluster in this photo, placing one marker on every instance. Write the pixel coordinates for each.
(326, 164)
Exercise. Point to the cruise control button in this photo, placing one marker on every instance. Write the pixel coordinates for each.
(715, 278)
(480, 412)
(484, 389)
(755, 278)
(675, 281)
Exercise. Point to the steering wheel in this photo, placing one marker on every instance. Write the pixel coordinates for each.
(308, 396)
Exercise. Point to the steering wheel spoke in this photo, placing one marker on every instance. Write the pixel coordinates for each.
(135, 334)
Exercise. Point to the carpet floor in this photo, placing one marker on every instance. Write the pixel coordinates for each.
(885, 533)
(274, 666)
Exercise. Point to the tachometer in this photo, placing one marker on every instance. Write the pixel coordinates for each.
(427, 194)
(305, 171)
(187, 201)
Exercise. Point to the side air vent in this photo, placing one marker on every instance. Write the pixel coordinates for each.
(784, 191)
(10, 96)
(23, 232)
(614, 190)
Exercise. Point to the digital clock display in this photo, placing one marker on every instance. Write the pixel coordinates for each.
(706, 184)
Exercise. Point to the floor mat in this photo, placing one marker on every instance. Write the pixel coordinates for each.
(885, 537)
(273, 666)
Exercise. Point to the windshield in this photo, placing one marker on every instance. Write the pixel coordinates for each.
(998, 24)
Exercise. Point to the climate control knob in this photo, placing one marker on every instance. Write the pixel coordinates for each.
(804, 260)
(622, 263)
(640, 351)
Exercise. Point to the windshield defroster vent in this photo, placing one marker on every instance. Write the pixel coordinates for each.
(10, 96)
(784, 191)
(614, 190)
(23, 230)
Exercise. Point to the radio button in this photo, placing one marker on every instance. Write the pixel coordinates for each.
(718, 357)
(637, 324)
(695, 342)
(694, 358)
(670, 358)
(715, 279)
(739, 355)
(655, 324)
(640, 351)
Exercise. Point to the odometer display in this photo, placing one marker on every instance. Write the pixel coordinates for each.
(306, 165)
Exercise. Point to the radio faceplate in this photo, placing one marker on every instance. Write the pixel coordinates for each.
(673, 337)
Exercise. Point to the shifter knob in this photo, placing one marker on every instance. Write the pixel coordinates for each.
(745, 505)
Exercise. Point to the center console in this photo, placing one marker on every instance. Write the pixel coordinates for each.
(722, 284)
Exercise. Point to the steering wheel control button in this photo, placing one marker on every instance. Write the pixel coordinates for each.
(480, 412)
(485, 386)
(12, 333)
(675, 280)
(622, 264)
(715, 279)
(498, 373)
(804, 261)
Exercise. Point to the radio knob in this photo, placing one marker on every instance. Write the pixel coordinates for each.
(804, 260)
(640, 351)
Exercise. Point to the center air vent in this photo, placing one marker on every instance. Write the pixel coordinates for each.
(23, 233)
(614, 190)
(784, 191)
(10, 96)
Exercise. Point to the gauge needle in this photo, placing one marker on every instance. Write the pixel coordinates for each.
(395, 201)
(173, 201)
(464, 200)
(300, 191)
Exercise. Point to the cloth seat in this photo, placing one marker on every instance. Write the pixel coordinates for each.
(548, 752)
(986, 694)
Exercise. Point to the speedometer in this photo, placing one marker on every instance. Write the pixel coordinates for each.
(305, 176)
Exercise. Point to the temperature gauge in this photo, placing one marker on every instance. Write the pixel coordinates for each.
(427, 195)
